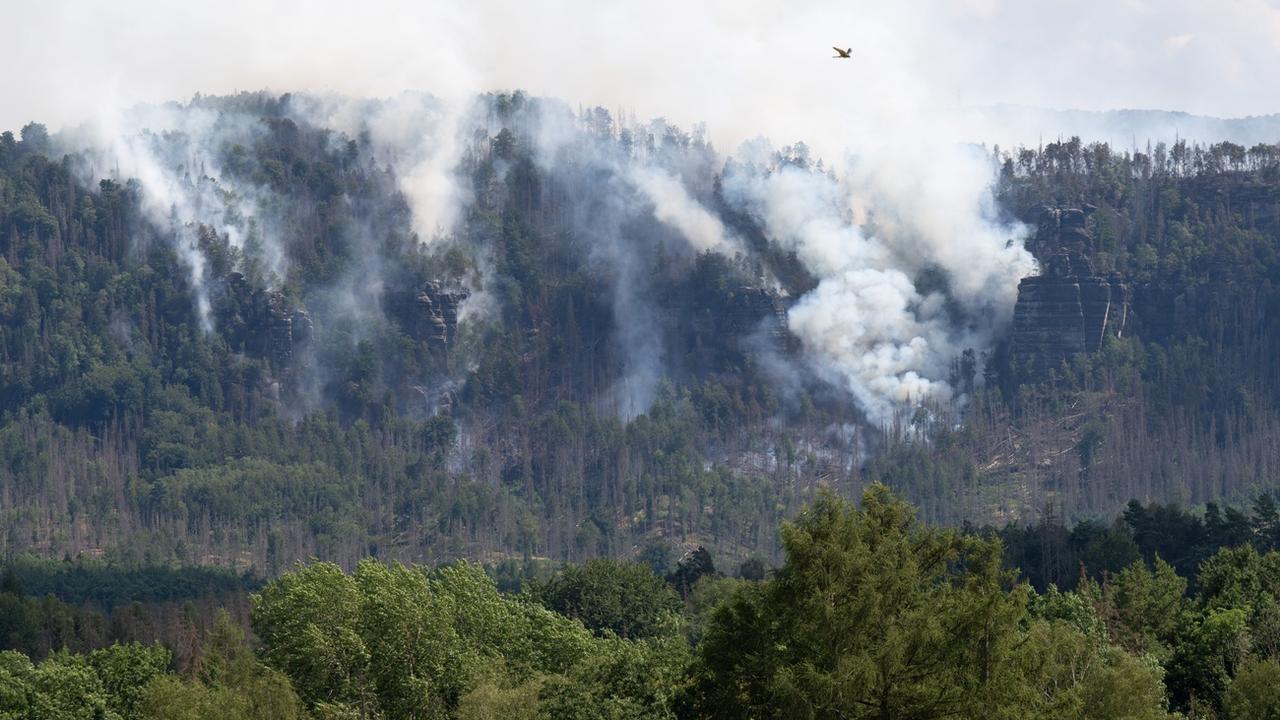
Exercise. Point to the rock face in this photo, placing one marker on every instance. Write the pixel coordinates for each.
(750, 310)
(287, 328)
(1063, 230)
(438, 314)
(1068, 309)
(753, 304)
(428, 314)
(263, 322)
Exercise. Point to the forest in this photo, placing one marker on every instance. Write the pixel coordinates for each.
(872, 613)
(283, 436)
(333, 384)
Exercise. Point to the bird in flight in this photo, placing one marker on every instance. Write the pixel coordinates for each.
(844, 54)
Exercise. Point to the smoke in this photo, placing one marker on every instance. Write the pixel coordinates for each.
(912, 267)
(616, 184)
(418, 136)
(673, 206)
(910, 274)
(744, 67)
(176, 154)
(911, 263)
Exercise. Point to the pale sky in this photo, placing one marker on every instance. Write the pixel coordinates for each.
(746, 67)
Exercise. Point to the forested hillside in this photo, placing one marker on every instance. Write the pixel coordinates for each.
(245, 334)
(237, 416)
(1178, 399)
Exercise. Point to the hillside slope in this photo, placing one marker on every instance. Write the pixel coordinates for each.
(269, 332)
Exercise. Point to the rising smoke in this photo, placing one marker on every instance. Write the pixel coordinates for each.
(875, 229)
(868, 240)
(175, 152)
(910, 263)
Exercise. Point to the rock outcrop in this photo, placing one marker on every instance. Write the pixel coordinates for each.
(1062, 230)
(429, 313)
(751, 306)
(438, 310)
(287, 328)
(1068, 309)
(261, 322)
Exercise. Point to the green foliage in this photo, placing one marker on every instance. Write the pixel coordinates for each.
(1255, 693)
(132, 431)
(231, 683)
(1207, 656)
(619, 679)
(63, 687)
(254, 490)
(308, 621)
(125, 671)
(623, 598)
(708, 594)
(349, 412)
(874, 615)
(267, 698)
(1146, 607)
(403, 642)
(1065, 674)
(88, 581)
(492, 698)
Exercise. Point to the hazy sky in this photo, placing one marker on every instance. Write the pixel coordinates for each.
(746, 67)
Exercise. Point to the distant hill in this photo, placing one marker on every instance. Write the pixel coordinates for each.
(1121, 128)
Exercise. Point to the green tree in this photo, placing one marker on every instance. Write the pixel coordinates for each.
(1145, 607)
(621, 597)
(1255, 693)
(1266, 523)
(62, 687)
(126, 670)
(708, 595)
(419, 665)
(872, 615)
(621, 679)
(495, 697)
(400, 642)
(309, 622)
(1065, 675)
(1206, 657)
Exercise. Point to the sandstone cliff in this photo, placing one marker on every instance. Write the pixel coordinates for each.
(1067, 309)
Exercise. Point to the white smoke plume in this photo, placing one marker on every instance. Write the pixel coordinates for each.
(418, 136)
(673, 206)
(743, 66)
(174, 153)
(867, 241)
(868, 233)
(613, 184)
(907, 201)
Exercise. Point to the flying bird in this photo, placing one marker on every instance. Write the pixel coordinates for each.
(842, 53)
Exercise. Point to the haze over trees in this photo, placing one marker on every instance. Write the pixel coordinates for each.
(315, 413)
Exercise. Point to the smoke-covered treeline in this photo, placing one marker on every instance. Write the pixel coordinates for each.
(254, 328)
(277, 326)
